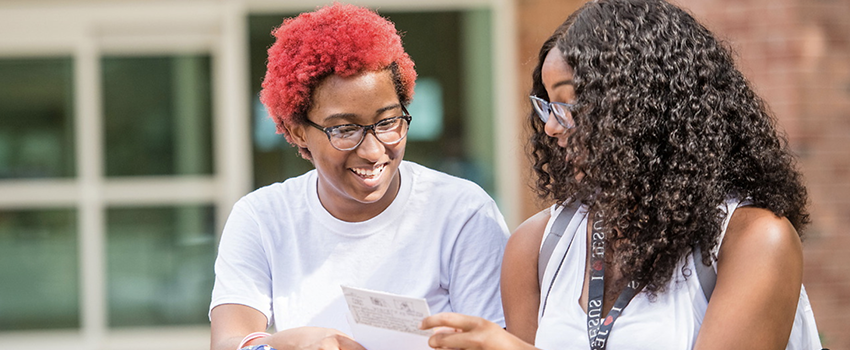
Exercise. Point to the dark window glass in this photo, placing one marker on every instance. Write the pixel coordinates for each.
(159, 265)
(158, 115)
(36, 118)
(39, 279)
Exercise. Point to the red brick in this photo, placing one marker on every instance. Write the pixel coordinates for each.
(796, 53)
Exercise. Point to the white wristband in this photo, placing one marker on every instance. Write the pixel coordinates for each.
(251, 337)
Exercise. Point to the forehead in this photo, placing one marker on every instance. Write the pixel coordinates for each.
(555, 69)
(362, 95)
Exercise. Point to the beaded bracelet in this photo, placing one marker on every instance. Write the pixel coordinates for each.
(251, 337)
(258, 347)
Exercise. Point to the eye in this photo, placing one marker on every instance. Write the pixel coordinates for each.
(345, 131)
(559, 109)
(388, 124)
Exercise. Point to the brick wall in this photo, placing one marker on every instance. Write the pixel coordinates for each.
(797, 55)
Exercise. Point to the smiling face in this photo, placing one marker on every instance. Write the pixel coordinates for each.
(557, 78)
(359, 184)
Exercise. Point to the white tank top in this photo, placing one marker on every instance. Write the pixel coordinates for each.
(671, 321)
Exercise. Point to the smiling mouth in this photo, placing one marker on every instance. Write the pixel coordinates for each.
(369, 173)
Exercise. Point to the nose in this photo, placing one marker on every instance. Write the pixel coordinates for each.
(552, 127)
(371, 149)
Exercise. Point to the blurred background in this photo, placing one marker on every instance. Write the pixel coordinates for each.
(128, 128)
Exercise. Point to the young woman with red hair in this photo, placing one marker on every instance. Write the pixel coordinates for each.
(337, 84)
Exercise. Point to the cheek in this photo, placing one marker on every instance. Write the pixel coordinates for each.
(325, 156)
(397, 151)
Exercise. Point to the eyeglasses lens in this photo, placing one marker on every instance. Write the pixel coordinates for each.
(389, 131)
(542, 109)
(561, 111)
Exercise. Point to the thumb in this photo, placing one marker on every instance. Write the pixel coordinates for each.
(346, 343)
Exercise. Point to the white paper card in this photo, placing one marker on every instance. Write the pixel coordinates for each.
(385, 310)
(374, 338)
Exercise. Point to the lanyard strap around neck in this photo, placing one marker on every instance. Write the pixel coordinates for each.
(598, 330)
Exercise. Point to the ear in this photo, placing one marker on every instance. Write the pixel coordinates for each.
(297, 134)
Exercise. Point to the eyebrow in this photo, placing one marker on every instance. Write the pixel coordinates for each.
(349, 116)
(563, 82)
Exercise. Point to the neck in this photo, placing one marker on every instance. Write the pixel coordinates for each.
(355, 211)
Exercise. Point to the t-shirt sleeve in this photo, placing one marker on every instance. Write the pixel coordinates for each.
(242, 273)
(475, 265)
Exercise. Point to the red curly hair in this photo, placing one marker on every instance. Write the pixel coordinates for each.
(339, 39)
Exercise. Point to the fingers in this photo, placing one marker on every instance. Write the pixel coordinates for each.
(440, 329)
(457, 331)
(452, 320)
(474, 340)
(338, 333)
(313, 338)
(346, 343)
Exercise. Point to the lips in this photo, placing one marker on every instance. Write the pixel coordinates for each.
(369, 173)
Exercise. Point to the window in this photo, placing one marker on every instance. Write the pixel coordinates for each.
(112, 127)
(39, 270)
(36, 118)
(126, 136)
(157, 115)
(159, 262)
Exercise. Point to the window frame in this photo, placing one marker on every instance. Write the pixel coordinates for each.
(87, 31)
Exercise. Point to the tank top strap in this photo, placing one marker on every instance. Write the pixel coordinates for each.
(729, 206)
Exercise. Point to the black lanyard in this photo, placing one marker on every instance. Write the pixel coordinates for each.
(597, 330)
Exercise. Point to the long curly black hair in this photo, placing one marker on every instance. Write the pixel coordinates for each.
(666, 129)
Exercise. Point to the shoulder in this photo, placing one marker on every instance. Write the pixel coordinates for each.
(522, 252)
(426, 176)
(760, 248)
(759, 274)
(526, 239)
(278, 200)
(759, 233)
(446, 186)
(292, 186)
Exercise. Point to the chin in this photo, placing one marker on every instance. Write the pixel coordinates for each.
(373, 197)
(376, 194)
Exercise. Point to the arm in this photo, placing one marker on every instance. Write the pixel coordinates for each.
(520, 287)
(759, 273)
(232, 322)
(242, 296)
(470, 333)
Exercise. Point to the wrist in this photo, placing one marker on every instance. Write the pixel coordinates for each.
(258, 347)
(250, 339)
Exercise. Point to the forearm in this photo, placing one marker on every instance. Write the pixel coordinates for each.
(230, 323)
(470, 332)
(303, 338)
(229, 343)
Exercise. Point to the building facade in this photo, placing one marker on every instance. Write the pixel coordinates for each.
(128, 128)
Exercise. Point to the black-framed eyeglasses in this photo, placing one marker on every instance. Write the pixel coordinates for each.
(562, 111)
(347, 137)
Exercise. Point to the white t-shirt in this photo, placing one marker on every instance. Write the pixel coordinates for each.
(283, 254)
(669, 322)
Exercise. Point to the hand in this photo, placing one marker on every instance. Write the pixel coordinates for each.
(469, 332)
(311, 338)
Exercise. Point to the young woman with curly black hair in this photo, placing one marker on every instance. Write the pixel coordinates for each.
(644, 126)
